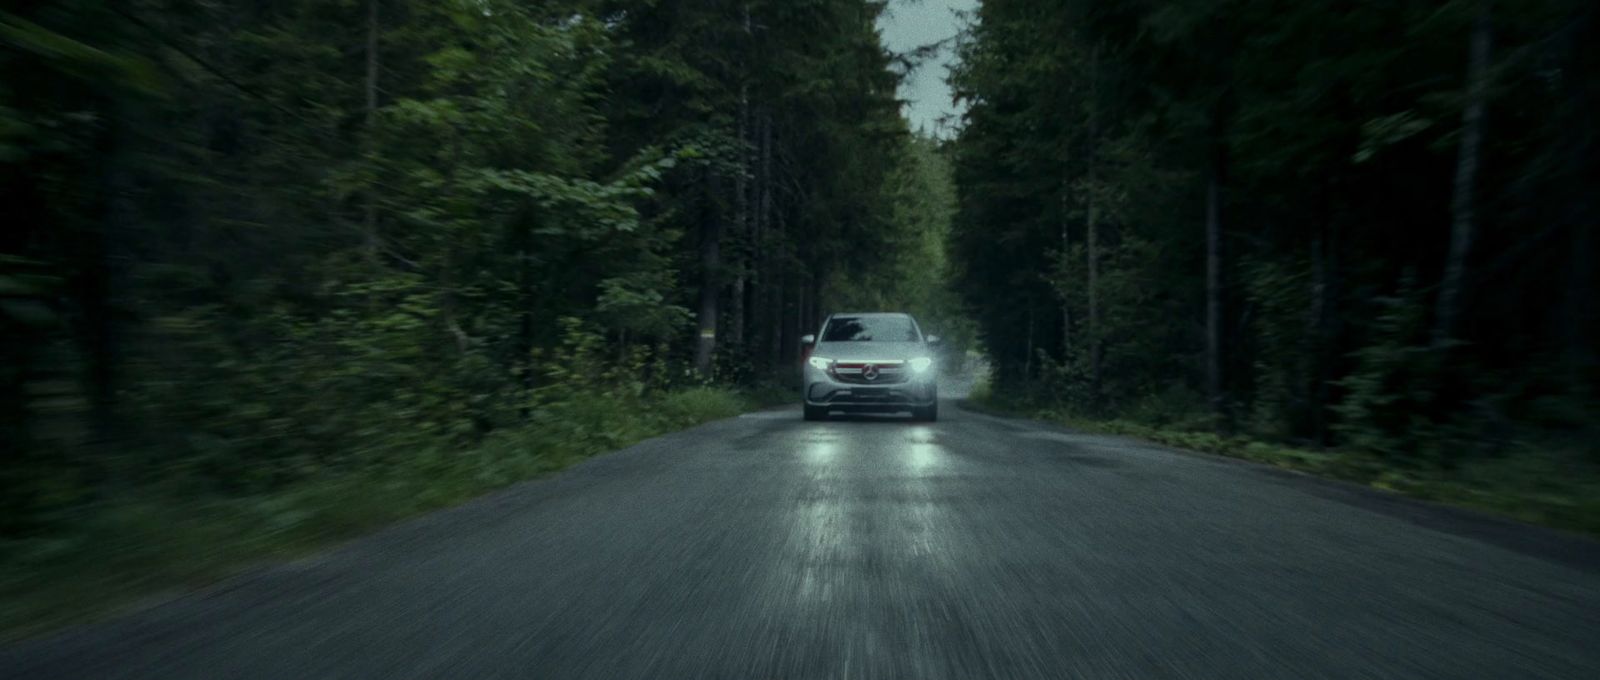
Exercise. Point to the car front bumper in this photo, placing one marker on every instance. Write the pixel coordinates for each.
(822, 390)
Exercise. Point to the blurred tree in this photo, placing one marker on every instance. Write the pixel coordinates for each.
(263, 239)
(1331, 151)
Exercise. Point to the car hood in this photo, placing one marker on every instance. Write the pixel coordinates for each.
(871, 351)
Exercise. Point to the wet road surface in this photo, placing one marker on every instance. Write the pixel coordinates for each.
(766, 547)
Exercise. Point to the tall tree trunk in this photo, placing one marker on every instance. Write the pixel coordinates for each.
(777, 318)
(770, 303)
(101, 280)
(526, 299)
(789, 319)
(1316, 325)
(1580, 312)
(1322, 332)
(1066, 299)
(1091, 237)
(369, 220)
(1463, 202)
(1027, 360)
(741, 220)
(1091, 242)
(710, 283)
(1580, 318)
(742, 226)
(814, 298)
(1214, 293)
(802, 306)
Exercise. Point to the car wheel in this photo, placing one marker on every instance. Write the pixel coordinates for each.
(816, 412)
(928, 413)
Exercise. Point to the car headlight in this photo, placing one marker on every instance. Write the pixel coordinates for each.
(921, 364)
(820, 363)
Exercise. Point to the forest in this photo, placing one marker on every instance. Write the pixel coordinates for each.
(1363, 232)
(278, 271)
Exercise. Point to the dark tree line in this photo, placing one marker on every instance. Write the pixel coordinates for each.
(1368, 224)
(251, 240)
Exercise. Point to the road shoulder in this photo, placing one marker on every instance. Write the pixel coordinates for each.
(1570, 549)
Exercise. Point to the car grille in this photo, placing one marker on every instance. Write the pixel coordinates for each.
(857, 372)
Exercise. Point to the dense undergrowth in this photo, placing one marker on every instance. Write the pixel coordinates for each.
(103, 556)
(1549, 480)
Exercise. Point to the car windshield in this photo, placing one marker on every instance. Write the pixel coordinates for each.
(870, 329)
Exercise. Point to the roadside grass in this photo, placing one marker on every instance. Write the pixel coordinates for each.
(114, 555)
(1550, 483)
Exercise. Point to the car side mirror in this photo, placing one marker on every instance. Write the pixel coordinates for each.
(808, 339)
(933, 340)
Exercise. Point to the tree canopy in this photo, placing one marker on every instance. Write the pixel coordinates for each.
(252, 240)
(1365, 224)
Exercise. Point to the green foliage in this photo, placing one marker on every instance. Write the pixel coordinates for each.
(167, 535)
(1388, 131)
(1331, 134)
(912, 272)
(1174, 407)
(682, 408)
(634, 303)
(1389, 393)
(261, 261)
(1279, 295)
(76, 58)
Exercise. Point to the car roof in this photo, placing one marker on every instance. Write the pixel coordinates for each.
(870, 314)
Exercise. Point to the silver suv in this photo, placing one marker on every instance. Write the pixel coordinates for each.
(876, 363)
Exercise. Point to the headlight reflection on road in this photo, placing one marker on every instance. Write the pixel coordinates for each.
(820, 538)
(924, 460)
(923, 456)
(821, 451)
(921, 451)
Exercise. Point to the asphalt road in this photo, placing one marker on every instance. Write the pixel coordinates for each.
(764, 547)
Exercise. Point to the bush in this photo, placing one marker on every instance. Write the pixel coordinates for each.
(99, 555)
(1390, 393)
(1175, 406)
(697, 405)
